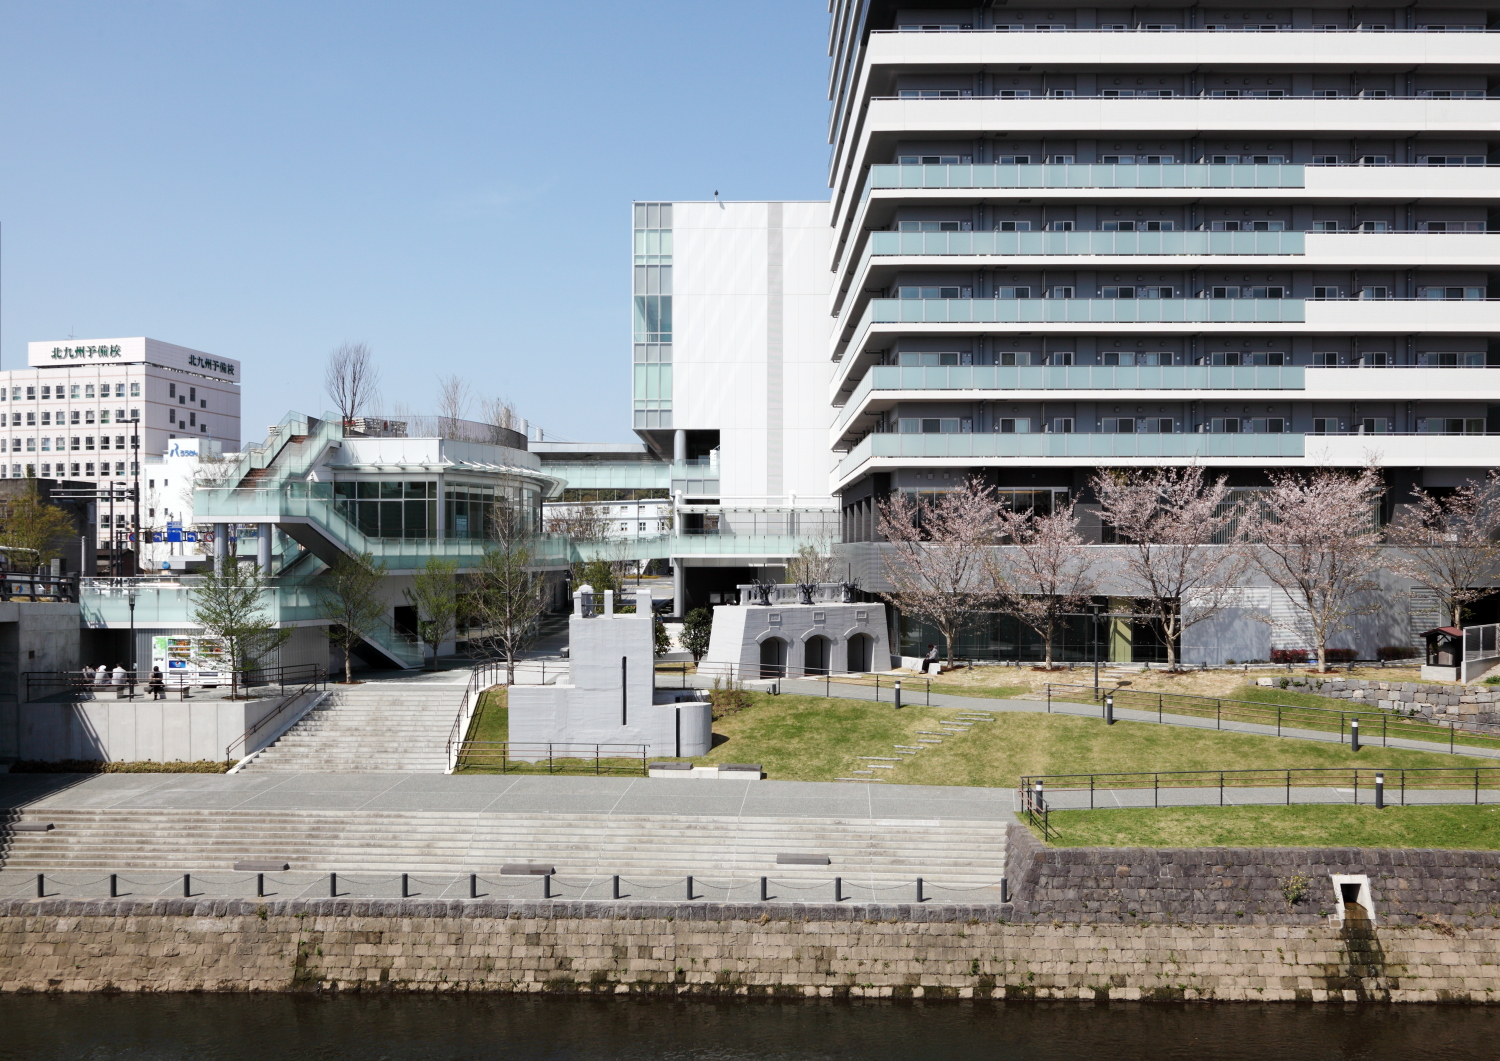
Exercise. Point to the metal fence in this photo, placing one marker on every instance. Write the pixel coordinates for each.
(513, 757)
(885, 686)
(41, 684)
(15, 585)
(1034, 793)
(1373, 723)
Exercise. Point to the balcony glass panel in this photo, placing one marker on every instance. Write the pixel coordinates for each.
(1180, 175)
(1085, 311)
(1088, 377)
(1040, 243)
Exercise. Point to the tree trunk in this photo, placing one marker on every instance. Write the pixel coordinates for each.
(1169, 633)
(348, 663)
(1322, 657)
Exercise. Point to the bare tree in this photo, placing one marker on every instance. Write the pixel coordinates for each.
(936, 556)
(1045, 571)
(580, 521)
(508, 596)
(1449, 544)
(351, 379)
(501, 413)
(1315, 538)
(812, 565)
(1167, 520)
(348, 595)
(453, 403)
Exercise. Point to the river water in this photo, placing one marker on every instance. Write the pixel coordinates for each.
(397, 1027)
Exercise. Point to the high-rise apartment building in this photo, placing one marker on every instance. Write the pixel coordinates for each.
(1074, 237)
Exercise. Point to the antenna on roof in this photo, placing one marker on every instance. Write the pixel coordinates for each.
(717, 199)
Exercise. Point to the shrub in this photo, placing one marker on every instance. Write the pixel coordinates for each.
(727, 698)
(1293, 889)
(1397, 652)
(1288, 655)
(105, 766)
(1342, 655)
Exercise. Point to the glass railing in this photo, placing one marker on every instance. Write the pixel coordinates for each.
(1100, 446)
(1096, 175)
(1084, 310)
(611, 475)
(1092, 243)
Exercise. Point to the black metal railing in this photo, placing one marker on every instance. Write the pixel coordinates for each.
(1381, 783)
(516, 757)
(1374, 722)
(16, 585)
(242, 742)
(41, 684)
(884, 685)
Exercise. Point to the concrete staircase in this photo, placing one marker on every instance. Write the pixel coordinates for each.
(955, 853)
(376, 726)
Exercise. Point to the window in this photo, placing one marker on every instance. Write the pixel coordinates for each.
(135, 390)
(1324, 226)
(1325, 93)
(935, 226)
(31, 419)
(1136, 358)
(1450, 226)
(73, 391)
(1014, 93)
(88, 471)
(1450, 160)
(1020, 425)
(88, 442)
(1325, 160)
(1059, 226)
(31, 445)
(1138, 226)
(1374, 292)
(88, 390)
(1122, 426)
(1439, 425)
(910, 359)
(1118, 160)
(1227, 425)
(1374, 425)
(934, 160)
(934, 93)
(31, 394)
(1060, 292)
(104, 442)
(1224, 160)
(1061, 160)
(1012, 292)
(1055, 357)
(389, 509)
(1452, 359)
(934, 292)
(1247, 226)
(1135, 292)
(193, 419)
(1451, 293)
(1012, 226)
(104, 416)
(1223, 292)
(1374, 226)
(1375, 160)
(1012, 357)
(73, 443)
(1060, 93)
(1265, 292)
(46, 444)
(171, 390)
(1325, 425)
(1062, 425)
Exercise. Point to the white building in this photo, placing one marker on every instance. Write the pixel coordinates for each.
(617, 520)
(67, 415)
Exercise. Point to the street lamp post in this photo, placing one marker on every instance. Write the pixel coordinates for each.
(130, 597)
(135, 490)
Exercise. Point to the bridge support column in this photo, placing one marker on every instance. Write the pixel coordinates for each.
(679, 589)
(263, 547)
(221, 546)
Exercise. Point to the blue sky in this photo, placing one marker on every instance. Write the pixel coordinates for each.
(449, 182)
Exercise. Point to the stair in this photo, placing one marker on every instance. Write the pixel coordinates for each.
(964, 854)
(376, 726)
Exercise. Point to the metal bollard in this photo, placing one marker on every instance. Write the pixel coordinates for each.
(690, 887)
(920, 898)
(1037, 788)
(473, 885)
(333, 885)
(1109, 709)
(114, 886)
(615, 887)
(1380, 791)
(898, 694)
(260, 885)
(404, 893)
(41, 886)
(187, 885)
(838, 889)
(1354, 735)
(763, 889)
(546, 885)
(1004, 890)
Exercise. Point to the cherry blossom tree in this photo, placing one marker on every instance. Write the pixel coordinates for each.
(1167, 520)
(936, 555)
(1045, 570)
(1316, 538)
(1448, 544)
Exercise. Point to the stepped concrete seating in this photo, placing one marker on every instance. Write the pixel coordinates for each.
(882, 851)
(377, 726)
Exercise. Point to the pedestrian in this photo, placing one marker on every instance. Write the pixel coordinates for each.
(101, 675)
(88, 675)
(930, 659)
(157, 684)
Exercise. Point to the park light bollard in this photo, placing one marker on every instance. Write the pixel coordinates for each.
(898, 694)
(1354, 735)
(1379, 791)
(1038, 790)
(1109, 709)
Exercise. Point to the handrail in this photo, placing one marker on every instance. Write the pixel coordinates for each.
(1175, 29)
(1416, 728)
(281, 675)
(243, 739)
(480, 679)
(514, 755)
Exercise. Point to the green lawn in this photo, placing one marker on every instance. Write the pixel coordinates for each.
(1464, 828)
(809, 738)
(492, 719)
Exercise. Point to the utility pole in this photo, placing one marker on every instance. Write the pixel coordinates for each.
(135, 490)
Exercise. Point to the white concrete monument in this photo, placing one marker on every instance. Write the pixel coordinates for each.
(611, 697)
(755, 641)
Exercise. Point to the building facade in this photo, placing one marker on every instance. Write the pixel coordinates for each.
(67, 414)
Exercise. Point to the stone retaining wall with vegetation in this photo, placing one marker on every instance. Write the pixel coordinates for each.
(1448, 702)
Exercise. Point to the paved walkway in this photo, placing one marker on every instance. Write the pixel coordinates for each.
(1059, 707)
(502, 794)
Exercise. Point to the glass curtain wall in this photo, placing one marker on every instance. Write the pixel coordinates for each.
(389, 510)
(652, 382)
(469, 509)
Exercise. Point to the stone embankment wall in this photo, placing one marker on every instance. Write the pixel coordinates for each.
(1083, 923)
(1444, 702)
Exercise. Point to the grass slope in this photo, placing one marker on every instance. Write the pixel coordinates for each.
(1460, 828)
(807, 738)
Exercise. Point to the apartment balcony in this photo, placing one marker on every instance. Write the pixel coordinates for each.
(884, 385)
(888, 121)
(887, 253)
(889, 451)
(887, 185)
(1402, 383)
